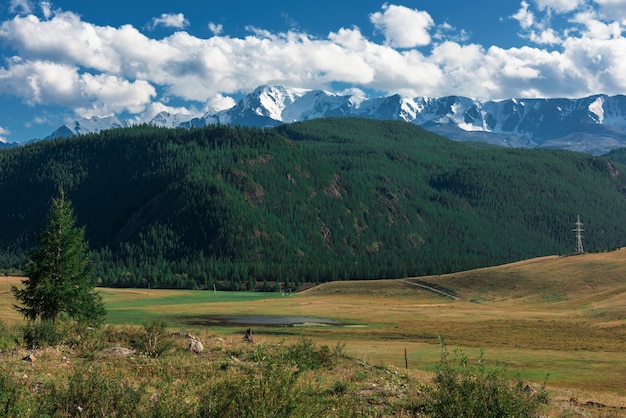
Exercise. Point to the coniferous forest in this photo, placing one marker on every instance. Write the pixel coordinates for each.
(327, 199)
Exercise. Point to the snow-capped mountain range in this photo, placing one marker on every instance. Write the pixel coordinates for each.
(87, 126)
(595, 124)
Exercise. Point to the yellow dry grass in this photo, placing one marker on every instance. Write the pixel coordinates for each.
(9, 315)
(562, 316)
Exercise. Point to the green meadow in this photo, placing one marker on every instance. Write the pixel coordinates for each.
(137, 306)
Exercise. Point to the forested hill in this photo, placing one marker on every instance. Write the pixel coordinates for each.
(328, 199)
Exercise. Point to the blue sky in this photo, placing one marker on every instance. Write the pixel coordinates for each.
(68, 59)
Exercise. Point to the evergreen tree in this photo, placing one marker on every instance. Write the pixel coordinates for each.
(60, 272)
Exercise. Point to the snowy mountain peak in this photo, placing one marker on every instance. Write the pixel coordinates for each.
(594, 124)
(270, 101)
(169, 120)
(96, 124)
(84, 126)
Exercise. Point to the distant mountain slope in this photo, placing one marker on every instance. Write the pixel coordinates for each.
(326, 199)
(595, 124)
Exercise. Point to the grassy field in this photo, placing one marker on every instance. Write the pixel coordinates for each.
(560, 318)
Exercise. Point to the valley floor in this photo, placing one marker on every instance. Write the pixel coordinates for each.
(558, 320)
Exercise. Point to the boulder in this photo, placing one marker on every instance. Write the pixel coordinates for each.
(29, 357)
(123, 350)
(196, 346)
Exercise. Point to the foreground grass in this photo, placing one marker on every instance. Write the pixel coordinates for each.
(159, 376)
(563, 318)
(126, 371)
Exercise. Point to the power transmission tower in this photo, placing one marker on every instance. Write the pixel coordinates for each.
(579, 236)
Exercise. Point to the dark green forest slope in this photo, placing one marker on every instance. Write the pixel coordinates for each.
(617, 155)
(328, 199)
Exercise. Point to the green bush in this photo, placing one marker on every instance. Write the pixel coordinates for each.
(271, 388)
(128, 335)
(77, 335)
(88, 340)
(153, 343)
(463, 390)
(43, 334)
(306, 356)
(7, 339)
(15, 399)
(89, 392)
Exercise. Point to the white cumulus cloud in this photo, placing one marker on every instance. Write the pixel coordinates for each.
(170, 20)
(612, 9)
(45, 82)
(20, 6)
(525, 16)
(215, 28)
(403, 27)
(593, 27)
(219, 102)
(560, 6)
(116, 94)
(98, 70)
(547, 36)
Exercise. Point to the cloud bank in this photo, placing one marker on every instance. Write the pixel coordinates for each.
(60, 59)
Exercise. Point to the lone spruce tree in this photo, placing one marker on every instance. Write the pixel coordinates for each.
(60, 272)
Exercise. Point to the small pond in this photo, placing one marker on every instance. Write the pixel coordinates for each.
(249, 320)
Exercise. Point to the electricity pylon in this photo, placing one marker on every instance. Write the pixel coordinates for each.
(579, 236)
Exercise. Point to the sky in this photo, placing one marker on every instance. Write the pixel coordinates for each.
(69, 59)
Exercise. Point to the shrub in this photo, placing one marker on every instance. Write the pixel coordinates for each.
(7, 339)
(168, 405)
(306, 356)
(15, 400)
(462, 390)
(87, 339)
(269, 389)
(126, 335)
(42, 334)
(152, 343)
(90, 392)
(275, 385)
